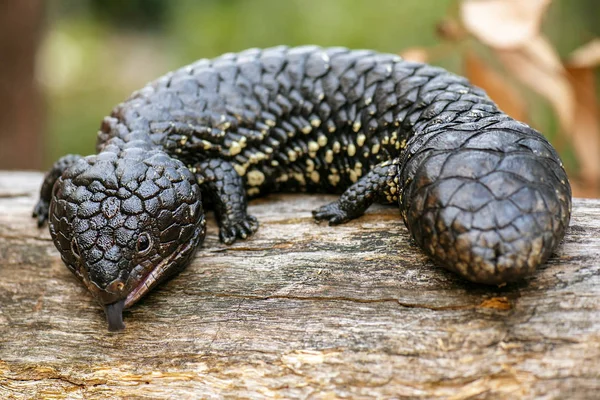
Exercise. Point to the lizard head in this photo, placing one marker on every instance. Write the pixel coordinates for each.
(123, 221)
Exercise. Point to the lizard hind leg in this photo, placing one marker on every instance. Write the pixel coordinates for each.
(378, 185)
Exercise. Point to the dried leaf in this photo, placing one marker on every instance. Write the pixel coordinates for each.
(587, 55)
(497, 87)
(538, 66)
(581, 189)
(450, 29)
(418, 54)
(503, 23)
(586, 129)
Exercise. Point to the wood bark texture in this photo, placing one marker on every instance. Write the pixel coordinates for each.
(300, 311)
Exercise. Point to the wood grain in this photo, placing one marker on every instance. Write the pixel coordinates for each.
(300, 311)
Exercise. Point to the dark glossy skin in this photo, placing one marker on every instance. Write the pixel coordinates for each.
(484, 195)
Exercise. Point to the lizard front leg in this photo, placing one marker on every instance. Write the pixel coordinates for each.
(225, 189)
(40, 211)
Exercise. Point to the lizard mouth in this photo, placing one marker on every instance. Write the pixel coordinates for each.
(163, 270)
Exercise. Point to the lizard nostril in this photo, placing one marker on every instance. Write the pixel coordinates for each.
(116, 286)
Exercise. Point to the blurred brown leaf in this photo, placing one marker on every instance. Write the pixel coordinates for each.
(586, 129)
(538, 66)
(450, 29)
(503, 23)
(581, 189)
(511, 28)
(418, 54)
(497, 87)
(587, 55)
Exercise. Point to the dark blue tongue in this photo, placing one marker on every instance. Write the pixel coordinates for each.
(114, 315)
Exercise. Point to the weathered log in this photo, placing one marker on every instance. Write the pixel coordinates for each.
(301, 311)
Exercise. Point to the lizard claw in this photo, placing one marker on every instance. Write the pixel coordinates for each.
(228, 233)
(333, 213)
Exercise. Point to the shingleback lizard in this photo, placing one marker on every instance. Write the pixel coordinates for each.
(482, 194)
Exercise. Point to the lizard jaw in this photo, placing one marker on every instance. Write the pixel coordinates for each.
(164, 269)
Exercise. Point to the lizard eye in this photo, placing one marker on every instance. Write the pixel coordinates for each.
(75, 248)
(143, 243)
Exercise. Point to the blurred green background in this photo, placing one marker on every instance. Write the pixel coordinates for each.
(91, 54)
(97, 51)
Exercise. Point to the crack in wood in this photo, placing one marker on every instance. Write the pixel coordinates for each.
(493, 303)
